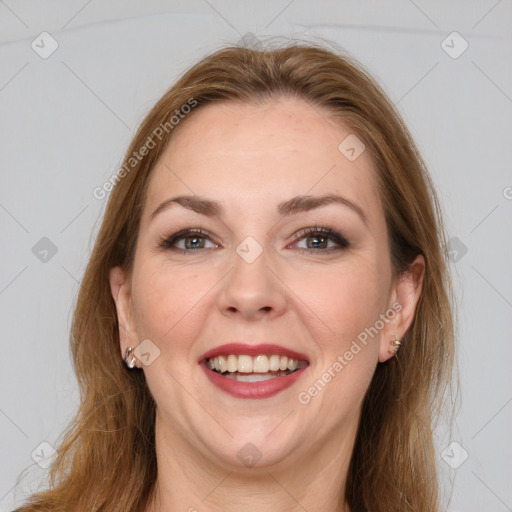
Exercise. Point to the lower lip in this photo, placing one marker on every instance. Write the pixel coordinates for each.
(252, 390)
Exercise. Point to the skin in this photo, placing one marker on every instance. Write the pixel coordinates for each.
(250, 158)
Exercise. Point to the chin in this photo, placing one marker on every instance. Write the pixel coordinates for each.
(254, 443)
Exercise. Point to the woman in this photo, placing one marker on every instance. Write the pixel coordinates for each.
(265, 321)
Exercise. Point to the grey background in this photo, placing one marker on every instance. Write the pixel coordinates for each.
(66, 121)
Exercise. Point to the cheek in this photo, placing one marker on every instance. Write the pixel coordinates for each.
(346, 298)
(165, 300)
(347, 301)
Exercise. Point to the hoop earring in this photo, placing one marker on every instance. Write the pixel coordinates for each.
(129, 358)
(395, 346)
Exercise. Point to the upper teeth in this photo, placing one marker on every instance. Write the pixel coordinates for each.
(250, 364)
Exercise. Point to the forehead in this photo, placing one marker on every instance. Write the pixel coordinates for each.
(254, 155)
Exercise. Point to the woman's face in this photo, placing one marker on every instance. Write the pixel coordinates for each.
(262, 266)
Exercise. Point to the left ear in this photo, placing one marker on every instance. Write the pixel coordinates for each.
(406, 293)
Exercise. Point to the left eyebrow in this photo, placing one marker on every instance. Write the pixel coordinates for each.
(295, 205)
(305, 203)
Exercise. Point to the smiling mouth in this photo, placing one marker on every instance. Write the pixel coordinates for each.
(246, 368)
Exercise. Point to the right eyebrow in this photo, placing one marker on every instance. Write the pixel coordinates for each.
(197, 204)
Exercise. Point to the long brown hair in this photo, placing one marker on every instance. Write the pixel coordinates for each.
(107, 459)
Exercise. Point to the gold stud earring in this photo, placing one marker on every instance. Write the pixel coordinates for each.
(395, 345)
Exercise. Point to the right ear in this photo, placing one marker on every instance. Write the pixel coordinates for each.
(120, 288)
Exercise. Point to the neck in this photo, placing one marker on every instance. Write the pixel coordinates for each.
(191, 482)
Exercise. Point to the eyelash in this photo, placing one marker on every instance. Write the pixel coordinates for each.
(168, 243)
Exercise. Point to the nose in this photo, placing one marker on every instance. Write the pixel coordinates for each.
(252, 291)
